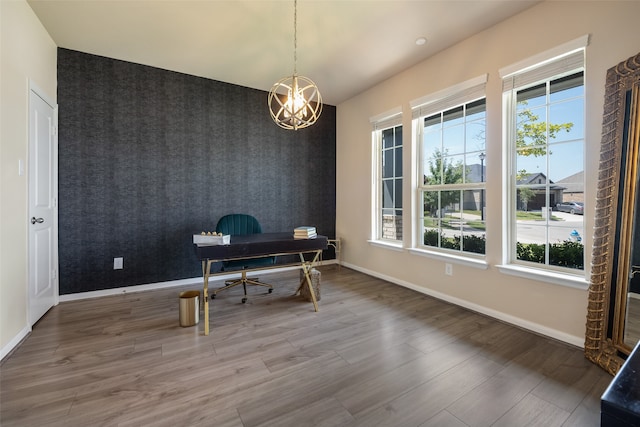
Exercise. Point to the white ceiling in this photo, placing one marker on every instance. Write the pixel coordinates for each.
(345, 46)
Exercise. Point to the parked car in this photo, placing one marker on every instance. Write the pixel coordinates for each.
(576, 208)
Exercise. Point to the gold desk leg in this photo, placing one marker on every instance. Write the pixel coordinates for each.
(306, 267)
(206, 271)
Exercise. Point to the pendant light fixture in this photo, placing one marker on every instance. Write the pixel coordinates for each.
(295, 101)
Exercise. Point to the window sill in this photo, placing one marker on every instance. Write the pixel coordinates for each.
(553, 277)
(457, 259)
(387, 244)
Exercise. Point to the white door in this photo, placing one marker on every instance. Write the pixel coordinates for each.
(43, 282)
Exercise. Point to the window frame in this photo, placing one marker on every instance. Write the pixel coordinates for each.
(546, 67)
(385, 121)
(460, 95)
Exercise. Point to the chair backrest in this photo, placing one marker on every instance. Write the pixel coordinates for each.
(238, 224)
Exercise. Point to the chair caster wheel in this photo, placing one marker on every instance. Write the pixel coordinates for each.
(270, 290)
(244, 300)
(213, 296)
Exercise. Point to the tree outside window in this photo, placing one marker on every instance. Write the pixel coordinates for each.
(452, 188)
(548, 164)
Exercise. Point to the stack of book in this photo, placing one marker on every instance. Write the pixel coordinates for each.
(304, 232)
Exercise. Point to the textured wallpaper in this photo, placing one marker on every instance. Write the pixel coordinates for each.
(147, 157)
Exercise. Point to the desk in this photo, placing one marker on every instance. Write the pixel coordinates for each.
(257, 246)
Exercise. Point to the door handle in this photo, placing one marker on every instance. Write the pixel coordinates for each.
(38, 220)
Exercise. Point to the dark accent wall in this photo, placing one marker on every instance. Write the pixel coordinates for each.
(147, 157)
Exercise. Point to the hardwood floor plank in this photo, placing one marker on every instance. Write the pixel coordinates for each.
(533, 411)
(486, 403)
(421, 403)
(363, 397)
(375, 354)
(570, 383)
(443, 419)
(326, 412)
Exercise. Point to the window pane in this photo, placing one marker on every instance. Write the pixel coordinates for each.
(431, 143)
(531, 128)
(387, 138)
(450, 202)
(566, 160)
(453, 139)
(387, 193)
(433, 123)
(566, 248)
(530, 169)
(453, 117)
(398, 135)
(387, 163)
(472, 223)
(432, 233)
(398, 193)
(476, 110)
(430, 202)
(398, 162)
(452, 169)
(532, 96)
(475, 170)
(475, 138)
(567, 87)
(566, 120)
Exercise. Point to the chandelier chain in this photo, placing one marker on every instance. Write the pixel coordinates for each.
(295, 37)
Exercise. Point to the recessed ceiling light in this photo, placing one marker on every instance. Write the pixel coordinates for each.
(420, 41)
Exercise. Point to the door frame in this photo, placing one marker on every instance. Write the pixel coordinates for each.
(33, 87)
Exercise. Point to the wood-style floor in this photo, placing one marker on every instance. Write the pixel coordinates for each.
(376, 354)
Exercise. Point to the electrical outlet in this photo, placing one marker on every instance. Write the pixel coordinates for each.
(118, 263)
(448, 269)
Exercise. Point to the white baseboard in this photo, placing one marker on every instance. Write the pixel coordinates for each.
(170, 284)
(7, 349)
(577, 341)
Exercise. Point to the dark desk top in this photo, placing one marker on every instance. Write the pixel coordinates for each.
(256, 245)
(622, 398)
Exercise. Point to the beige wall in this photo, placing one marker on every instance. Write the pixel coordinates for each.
(27, 53)
(552, 309)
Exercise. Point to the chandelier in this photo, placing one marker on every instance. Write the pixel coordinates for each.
(295, 101)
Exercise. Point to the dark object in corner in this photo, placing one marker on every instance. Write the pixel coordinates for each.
(620, 403)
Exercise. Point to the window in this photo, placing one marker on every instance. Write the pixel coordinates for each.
(387, 137)
(545, 141)
(451, 187)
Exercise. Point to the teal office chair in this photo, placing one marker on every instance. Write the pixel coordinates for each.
(241, 224)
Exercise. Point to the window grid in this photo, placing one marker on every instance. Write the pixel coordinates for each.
(390, 210)
(452, 179)
(548, 159)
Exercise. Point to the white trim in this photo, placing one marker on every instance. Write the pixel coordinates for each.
(171, 284)
(456, 259)
(386, 120)
(15, 341)
(386, 244)
(450, 97)
(386, 115)
(537, 328)
(544, 276)
(546, 56)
